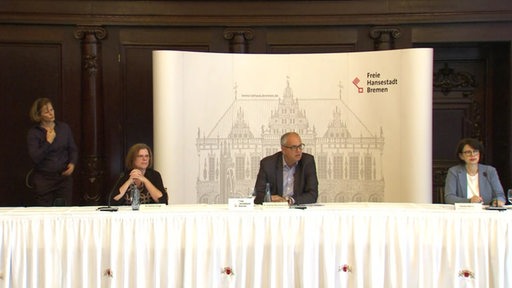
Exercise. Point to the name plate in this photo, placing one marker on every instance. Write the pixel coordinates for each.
(153, 206)
(275, 205)
(241, 203)
(468, 206)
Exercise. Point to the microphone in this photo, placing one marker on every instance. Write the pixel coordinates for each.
(487, 179)
(494, 201)
(110, 208)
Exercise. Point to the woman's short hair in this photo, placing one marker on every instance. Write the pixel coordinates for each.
(35, 110)
(471, 142)
(133, 152)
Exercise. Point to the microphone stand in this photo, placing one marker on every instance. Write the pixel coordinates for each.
(110, 208)
(494, 202)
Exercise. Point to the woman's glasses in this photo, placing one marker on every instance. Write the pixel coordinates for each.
(470, 152)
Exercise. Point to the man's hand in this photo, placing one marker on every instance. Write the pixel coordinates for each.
(277, 198)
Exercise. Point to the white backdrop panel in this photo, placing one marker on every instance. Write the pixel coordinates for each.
(366, 117)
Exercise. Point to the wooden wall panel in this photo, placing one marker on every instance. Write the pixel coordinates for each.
(464, 105)
(29, 70)
(499, 85)
(312, 40)
(36, 62)
(137, 92)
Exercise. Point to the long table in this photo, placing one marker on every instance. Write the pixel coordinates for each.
(332, 245)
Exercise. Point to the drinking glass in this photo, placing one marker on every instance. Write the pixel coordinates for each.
(509, 195)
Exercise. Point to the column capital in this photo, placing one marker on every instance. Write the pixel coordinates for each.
(238, 39)
(82, 31)
(384, 37)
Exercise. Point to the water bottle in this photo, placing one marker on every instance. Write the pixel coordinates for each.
(135, 197)
(268, 197)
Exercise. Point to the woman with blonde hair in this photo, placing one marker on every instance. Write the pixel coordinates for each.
(54, 153)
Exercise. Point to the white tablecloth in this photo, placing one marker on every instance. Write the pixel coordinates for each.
(335, 245)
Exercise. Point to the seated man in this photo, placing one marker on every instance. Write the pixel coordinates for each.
(290, 172)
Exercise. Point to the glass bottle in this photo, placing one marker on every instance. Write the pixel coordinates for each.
(268, 197)
(135, 197)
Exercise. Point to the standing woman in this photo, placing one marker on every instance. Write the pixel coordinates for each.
(54, 153)
(470, 181)
(139, 172)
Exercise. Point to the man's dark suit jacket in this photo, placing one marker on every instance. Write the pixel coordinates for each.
(305, 187)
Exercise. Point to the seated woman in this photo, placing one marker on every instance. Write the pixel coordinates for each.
(471, 182)
(138, 165)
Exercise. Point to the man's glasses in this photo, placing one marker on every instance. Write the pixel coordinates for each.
(470, 152)
(296, 147)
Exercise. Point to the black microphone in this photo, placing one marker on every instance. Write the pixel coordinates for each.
(494, 201)
(110, 208)
(487, 179)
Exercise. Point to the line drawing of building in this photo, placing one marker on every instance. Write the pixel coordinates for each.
(349, 167)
